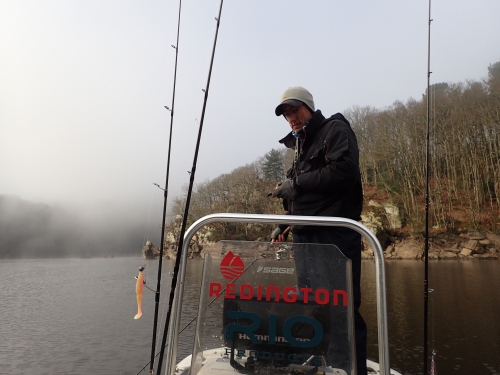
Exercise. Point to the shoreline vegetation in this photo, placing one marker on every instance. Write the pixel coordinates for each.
(464, 214)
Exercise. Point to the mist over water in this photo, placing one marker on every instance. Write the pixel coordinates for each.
(38, 230)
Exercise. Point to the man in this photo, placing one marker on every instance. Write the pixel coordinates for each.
(324, 181)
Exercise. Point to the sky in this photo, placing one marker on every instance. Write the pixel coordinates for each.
(83, 85)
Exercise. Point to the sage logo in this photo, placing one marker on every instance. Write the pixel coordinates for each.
(231, 266)
(282, 270)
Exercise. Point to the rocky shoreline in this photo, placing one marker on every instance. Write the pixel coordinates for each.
(150, 251)
(466, 246)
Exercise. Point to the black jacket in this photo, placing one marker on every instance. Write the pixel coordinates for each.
(326, 172)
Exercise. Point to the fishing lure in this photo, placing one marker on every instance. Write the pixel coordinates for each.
(139, 289)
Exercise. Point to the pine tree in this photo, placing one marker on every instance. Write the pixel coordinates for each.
(272, 167)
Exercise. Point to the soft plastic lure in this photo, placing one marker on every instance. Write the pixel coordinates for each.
(139, 288)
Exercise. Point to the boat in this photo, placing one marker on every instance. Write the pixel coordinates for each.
(267, 318)
(213, 360)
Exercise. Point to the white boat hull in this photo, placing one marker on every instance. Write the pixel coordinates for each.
(216, 362)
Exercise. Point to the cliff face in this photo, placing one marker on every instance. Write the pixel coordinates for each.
(150, 251)
(384, 220)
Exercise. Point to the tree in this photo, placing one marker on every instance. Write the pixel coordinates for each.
(464, 163)
(494, 77)
(272, 166)
(438, 88)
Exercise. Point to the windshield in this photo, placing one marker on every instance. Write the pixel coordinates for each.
(276, 307)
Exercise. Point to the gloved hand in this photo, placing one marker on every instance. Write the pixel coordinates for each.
(286, 189)
(279, 235)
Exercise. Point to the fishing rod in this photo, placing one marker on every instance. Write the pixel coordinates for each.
(427, 200)
(165, 196)
(188, 200)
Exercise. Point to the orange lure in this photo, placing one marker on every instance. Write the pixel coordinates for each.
(139, 288)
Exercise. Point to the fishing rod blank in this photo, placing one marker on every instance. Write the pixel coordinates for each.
(188, 200)
(165, 195)
(427, 200)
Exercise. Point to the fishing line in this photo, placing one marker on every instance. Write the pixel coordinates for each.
(148, 222)
(223, 290)
(126, 339)
(186, 210)
(208, 305)
(163, 310)
(125, 343)
(165, 196)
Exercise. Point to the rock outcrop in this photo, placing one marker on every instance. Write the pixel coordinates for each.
(150, 251)
(379, 216)
(471, 245)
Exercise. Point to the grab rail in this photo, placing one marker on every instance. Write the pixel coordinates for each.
(383, 343)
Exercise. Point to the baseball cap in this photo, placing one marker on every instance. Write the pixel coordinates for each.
(295, 96)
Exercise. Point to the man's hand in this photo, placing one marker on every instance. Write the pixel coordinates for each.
(278, 235)
(285, 189)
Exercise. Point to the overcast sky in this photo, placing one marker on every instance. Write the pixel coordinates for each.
(83, 83)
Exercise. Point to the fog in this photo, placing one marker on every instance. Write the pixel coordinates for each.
(83, 85)
(37, 230)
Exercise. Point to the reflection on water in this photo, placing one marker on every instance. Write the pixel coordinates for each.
(75, 316)
(464, 308)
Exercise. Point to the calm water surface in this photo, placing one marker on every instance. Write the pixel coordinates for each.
(75, 316)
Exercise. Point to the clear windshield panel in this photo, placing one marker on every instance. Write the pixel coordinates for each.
(276, 308)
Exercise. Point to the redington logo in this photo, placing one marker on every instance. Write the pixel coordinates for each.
(231, 266)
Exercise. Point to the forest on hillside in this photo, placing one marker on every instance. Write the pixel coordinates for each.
(464, 164)
(464, 179)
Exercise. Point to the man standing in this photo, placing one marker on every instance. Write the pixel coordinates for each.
(324, 181)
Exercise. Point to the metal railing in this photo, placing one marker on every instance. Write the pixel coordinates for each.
(383, 343)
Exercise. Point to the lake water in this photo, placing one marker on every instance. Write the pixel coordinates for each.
(75, 316)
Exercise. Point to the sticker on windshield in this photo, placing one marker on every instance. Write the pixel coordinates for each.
(231, 266)
(282, 270)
